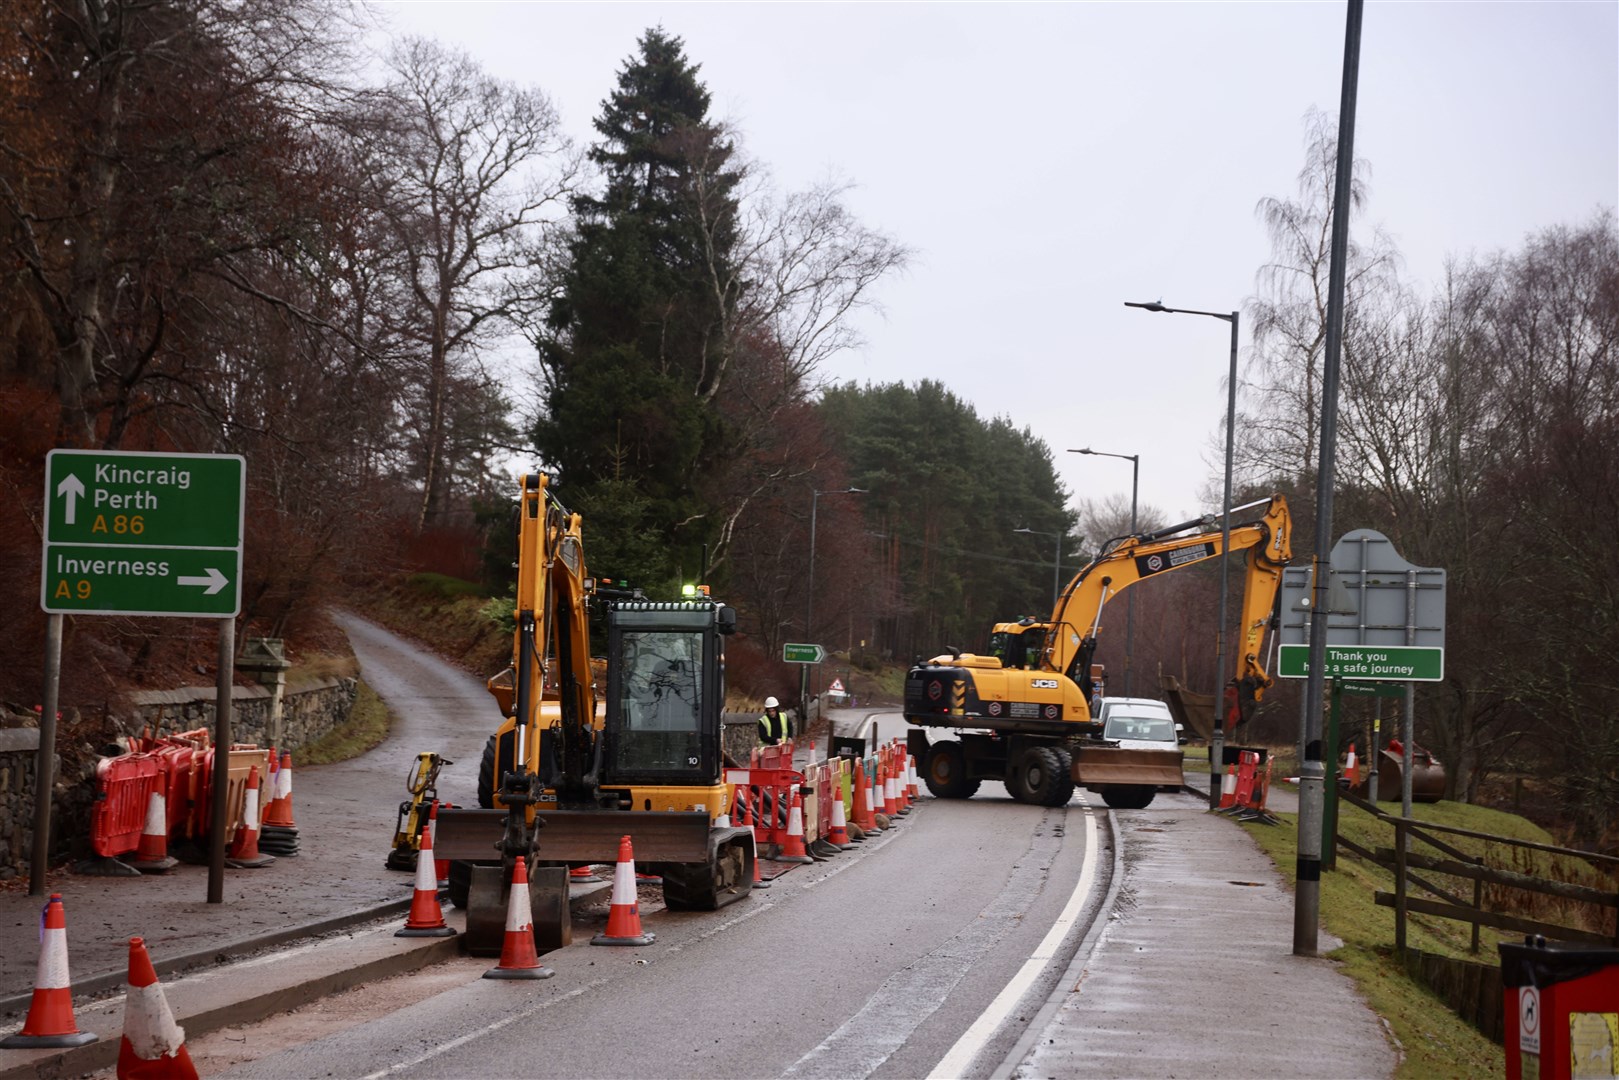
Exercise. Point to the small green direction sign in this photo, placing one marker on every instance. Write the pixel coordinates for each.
(1369, 663)
(142, 534)
(1372, 689)
(802, 654)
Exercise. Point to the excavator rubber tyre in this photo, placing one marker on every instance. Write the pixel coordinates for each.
(1128, 796)
(1044, 782)
(460, 882)
(724, 879)
(486, 776)
(946, 771)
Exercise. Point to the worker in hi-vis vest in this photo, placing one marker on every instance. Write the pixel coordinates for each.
(773, 727)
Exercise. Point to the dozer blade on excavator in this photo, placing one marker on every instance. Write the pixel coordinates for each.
(703, 868)
(1099, 765)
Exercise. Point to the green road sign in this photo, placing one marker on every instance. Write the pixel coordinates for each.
(802, 654)
(1368, 663)
(143, 534)
(1372, 689)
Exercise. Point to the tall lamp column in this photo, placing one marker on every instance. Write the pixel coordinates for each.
(1217, 742)
(809, 613)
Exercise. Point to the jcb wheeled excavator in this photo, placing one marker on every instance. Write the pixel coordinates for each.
(561, 782)
(1025, 715)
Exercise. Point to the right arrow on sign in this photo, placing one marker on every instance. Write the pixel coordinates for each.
(213, 579)
(71, 487)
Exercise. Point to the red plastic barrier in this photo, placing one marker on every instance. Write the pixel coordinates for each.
(123, 787)
(1247, 773)
(768, 793)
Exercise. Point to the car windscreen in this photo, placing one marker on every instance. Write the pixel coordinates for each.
(1139, 726)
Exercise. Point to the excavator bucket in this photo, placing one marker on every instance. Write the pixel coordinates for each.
(1427, 777)
(1101, 764)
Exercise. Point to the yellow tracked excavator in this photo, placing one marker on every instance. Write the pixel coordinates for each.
(1024, 716)
(562, 780)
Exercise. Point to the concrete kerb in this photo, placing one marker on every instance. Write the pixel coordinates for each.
(203, 1010)
(110, 981)
(1075, 971)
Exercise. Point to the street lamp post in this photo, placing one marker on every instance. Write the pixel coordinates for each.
(1217, 742)
(1056, 562)
(1130, 598)
(809, 614)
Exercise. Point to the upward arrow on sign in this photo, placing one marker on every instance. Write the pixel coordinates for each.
(72, 488)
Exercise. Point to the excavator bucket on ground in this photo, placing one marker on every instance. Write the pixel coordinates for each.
(1097, 765)
(1427, 777)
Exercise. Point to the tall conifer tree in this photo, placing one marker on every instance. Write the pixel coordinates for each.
(636, 343)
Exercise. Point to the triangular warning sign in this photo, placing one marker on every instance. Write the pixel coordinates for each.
(836, 687)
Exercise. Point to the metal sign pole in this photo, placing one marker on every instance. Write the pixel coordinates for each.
(222, 739)
(45, 761)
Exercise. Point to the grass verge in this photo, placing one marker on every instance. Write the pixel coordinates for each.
(1436, 1042)
(367, 725)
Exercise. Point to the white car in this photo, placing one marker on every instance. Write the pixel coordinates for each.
(1140, 724)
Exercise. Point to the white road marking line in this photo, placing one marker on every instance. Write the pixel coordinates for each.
(955, 1062)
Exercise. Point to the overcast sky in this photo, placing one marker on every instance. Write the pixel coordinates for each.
(1049, 161)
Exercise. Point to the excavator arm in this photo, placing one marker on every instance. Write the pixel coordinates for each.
(1077, 616)
(551, 645)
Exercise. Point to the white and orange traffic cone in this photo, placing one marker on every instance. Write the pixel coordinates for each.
(624, 916)
(744, 818)
(284, 782)
(890, 802)
(1352, 767)
(152, 855)
(1228, 788)
(838, 833)
(153, 1046)
(278, 834)
(911, 778)
(426, 918)
(50, 1020)
(518, 960)
(244, 852)
(864, 815)
(792, 849)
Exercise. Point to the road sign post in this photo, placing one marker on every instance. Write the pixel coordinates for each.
(130, 533)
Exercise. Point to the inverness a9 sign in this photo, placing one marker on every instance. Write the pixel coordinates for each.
(142, 534)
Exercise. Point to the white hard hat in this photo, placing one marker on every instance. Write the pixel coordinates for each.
(772, 703)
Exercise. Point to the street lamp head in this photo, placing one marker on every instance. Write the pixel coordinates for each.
(857, 491)
(1151, 305)
(1087, 450)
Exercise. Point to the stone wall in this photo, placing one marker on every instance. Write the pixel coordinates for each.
(310, 709)
(19, 747)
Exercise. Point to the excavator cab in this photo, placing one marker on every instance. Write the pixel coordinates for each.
(665, 688)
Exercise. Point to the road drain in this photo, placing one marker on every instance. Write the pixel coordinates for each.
(1249, 884)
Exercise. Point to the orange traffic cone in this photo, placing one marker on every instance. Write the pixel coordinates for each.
(518, 960)
(582, 872)
(1352, 767)
(911, 778)
(902, 785)
(744, 818)
(244, 853)
(1228, 788)
(890, 803)
(426, 918)
(50, 1020)
(279, 810)
(153, 1046)
(793, 850)
(864, 817)
(838, 834)
(624, 916)
(152, 856)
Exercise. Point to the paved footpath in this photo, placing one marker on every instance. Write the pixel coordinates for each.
(1193, 972)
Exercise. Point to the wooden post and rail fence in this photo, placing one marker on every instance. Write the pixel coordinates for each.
(1418, 855)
